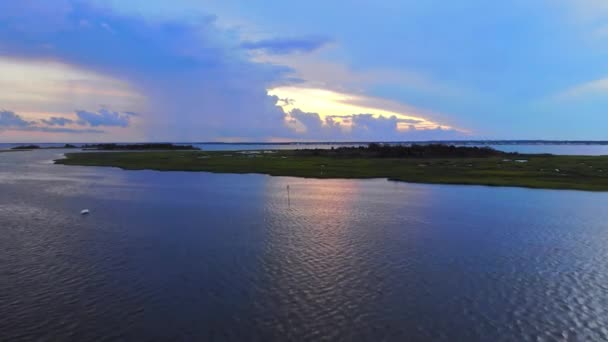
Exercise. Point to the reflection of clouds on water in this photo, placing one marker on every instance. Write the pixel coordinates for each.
(36, 170)
(348, 260)
(323, 256)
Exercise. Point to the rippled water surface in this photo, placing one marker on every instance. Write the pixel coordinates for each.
(198, 256)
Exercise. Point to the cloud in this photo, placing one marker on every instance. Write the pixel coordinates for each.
(57, 121)
(597, 87)
(367, 125)
(12, 121)
(284, 46)
(198, 80)
(311, 124)
(341, 104)
(104, 118)
(362, 127)
(61, 130)
(9, 119)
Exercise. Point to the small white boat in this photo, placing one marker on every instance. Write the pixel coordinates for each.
(84, 212)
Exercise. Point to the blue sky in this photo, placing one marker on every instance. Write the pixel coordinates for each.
(316, 70)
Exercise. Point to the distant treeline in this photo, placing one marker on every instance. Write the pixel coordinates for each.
(138, 147)
(376, 150)
(26, 147)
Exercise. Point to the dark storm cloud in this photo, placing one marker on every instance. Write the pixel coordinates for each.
(283, 46)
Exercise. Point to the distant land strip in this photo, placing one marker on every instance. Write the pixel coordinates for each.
(436, 163)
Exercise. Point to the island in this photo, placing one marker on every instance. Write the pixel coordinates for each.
(110, 147)
(25, 147)
(433, 163)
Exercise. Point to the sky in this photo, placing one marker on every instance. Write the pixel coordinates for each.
(342, 70)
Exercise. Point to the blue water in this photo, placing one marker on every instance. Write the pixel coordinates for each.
(200, 256)
(585, 150)
(558, 149)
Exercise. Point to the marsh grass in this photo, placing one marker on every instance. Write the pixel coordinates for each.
(539, 171)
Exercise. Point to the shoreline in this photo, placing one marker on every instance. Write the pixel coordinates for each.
(586, 173)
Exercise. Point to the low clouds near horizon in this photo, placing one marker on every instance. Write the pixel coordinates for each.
(12, 121)
(104, 117)
(84, 122)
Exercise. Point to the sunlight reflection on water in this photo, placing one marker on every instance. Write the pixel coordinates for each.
(178, 255)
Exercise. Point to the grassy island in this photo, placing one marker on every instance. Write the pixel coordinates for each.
(418, 163)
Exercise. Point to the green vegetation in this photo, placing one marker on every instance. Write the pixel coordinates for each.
(376, 150)
(534, 171)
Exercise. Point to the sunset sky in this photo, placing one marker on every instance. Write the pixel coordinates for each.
(196, 70)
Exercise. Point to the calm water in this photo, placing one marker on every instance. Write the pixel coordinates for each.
(198, 256)
(558, 149)
(591, 150)
(586, 150)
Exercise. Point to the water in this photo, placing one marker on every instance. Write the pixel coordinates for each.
(557, 149)
(199, 256)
